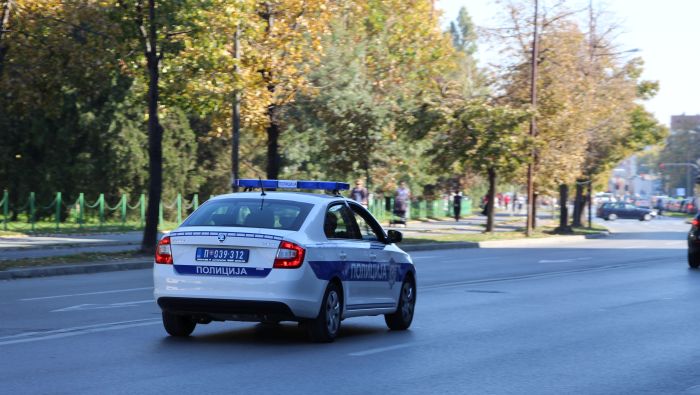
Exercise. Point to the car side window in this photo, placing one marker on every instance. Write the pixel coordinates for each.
(340, 223)
(370, 230)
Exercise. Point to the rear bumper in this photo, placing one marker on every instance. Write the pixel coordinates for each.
(228, 309)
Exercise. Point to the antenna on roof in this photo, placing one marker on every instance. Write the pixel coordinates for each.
(262, 188)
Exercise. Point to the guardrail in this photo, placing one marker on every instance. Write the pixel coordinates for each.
(82, 213)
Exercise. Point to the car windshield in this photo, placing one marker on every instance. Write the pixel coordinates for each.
(251, 213)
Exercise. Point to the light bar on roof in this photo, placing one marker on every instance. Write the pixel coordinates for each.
(293, 184)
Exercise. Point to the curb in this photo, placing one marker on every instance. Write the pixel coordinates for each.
(500, 243)
(47, 271)
(141, 264)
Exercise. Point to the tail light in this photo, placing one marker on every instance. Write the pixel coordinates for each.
(163, 252)
(289, 256)
(695, 222)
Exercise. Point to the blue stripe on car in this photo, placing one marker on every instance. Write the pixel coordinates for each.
(361, 271)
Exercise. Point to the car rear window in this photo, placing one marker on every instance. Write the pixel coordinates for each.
(251, 213)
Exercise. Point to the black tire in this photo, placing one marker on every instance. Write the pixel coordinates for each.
(612, 217)
(325, 327)
(645, 217)
(693, 260)
(178, 325)
(401, 319)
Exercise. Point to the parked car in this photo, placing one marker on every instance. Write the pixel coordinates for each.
(613, 211)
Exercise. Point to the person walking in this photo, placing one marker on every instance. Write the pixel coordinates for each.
(401, 199)
(359, 193)
(486, 203)
(457, 205)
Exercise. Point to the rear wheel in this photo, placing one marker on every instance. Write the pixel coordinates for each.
(325, 327)
(612, 217)
(178, 325)
(693, 259)
(402, 318)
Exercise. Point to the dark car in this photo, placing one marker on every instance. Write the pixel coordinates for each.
(613, 211)
(694, 242)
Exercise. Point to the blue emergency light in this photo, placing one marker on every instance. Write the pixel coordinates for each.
(292, 184)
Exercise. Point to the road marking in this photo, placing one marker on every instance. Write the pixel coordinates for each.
(94, 306)
(381, 349)
(87, 293)
(28, 337)
(564, 260)
(523, 277)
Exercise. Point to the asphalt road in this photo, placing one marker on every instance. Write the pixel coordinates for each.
(610, 316)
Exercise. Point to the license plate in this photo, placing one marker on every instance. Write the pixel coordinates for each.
(222, 255)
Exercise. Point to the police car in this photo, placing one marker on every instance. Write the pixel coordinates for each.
(283, 256)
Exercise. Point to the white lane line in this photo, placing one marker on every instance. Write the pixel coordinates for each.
(564, 260)
(381, 349)
(74, 331)
(96, 306)
(87, 293)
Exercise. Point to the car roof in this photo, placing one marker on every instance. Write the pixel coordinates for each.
(305, 197)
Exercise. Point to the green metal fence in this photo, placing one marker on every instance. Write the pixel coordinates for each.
(83, 212)
(99, 213)
(419, 209)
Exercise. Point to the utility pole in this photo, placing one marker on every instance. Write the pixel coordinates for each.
(236, 111)
(533, 128)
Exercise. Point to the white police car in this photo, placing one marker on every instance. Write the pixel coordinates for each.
(283, 256)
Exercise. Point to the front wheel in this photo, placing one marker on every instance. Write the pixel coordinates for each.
(646, 217)
(325, 327)
(402, 318)
(178, 325)
(693, 259)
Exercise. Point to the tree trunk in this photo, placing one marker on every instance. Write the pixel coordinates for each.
(579, 202)
(492, 199)
(4, 27)
(236, 114)
(273, 155)
(533, 207)
(563, 210)
(155, 137)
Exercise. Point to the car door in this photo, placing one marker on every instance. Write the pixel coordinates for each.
(345, 248)
(375, 282)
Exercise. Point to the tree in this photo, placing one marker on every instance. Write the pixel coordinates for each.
(155, 24)
(487, 138)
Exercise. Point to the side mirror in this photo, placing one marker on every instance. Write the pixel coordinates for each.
(394, 236)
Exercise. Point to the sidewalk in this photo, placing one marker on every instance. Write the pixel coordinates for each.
(22, 247)
(19, 247)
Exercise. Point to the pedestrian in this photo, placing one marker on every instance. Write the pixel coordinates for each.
(457, 204)
(660, 206)
(487, 205)
(506, 201)
(401, 199)
(359, 193)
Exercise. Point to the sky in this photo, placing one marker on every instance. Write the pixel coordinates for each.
(666, 32)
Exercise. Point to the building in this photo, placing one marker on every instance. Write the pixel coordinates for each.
(685, 122)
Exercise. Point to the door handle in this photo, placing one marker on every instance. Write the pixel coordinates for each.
(343, 256)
